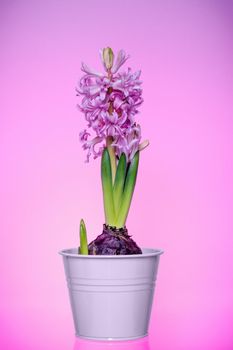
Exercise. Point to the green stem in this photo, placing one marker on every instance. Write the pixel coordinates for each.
(106, 176)
(83, 238)
(128, 191)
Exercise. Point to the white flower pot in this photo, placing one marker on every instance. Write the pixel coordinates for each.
(111, 295)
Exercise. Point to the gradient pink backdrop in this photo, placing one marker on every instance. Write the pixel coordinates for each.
(184, 196)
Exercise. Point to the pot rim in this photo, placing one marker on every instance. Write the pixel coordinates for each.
(146, 252)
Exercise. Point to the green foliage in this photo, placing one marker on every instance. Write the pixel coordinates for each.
(83, 238)
(118, 195)
(106, 176)
(119, 182)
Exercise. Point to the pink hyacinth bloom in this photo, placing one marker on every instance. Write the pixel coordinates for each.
(110, 101)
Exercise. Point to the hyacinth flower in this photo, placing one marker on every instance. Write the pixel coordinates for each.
(110, 102)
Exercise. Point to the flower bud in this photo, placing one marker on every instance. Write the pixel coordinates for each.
(143, 145)
(108, 57)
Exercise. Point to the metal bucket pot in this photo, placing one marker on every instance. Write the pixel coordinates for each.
(111, 295)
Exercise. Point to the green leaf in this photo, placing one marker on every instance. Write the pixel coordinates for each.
(112, 161)
(130, 182)
(106, 176)
(119, 182)
(112, 155)
(83, 238)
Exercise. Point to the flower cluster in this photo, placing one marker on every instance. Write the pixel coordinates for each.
(110, 101)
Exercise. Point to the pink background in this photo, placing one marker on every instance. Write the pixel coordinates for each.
(184, 195)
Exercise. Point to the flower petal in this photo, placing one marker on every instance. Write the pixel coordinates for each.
(121, 58)
(102, 58)
(90, 71)
(83, 135)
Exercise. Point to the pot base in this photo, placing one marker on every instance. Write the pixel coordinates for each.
(111, 339)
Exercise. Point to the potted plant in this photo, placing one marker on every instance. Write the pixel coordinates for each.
(111, 280)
